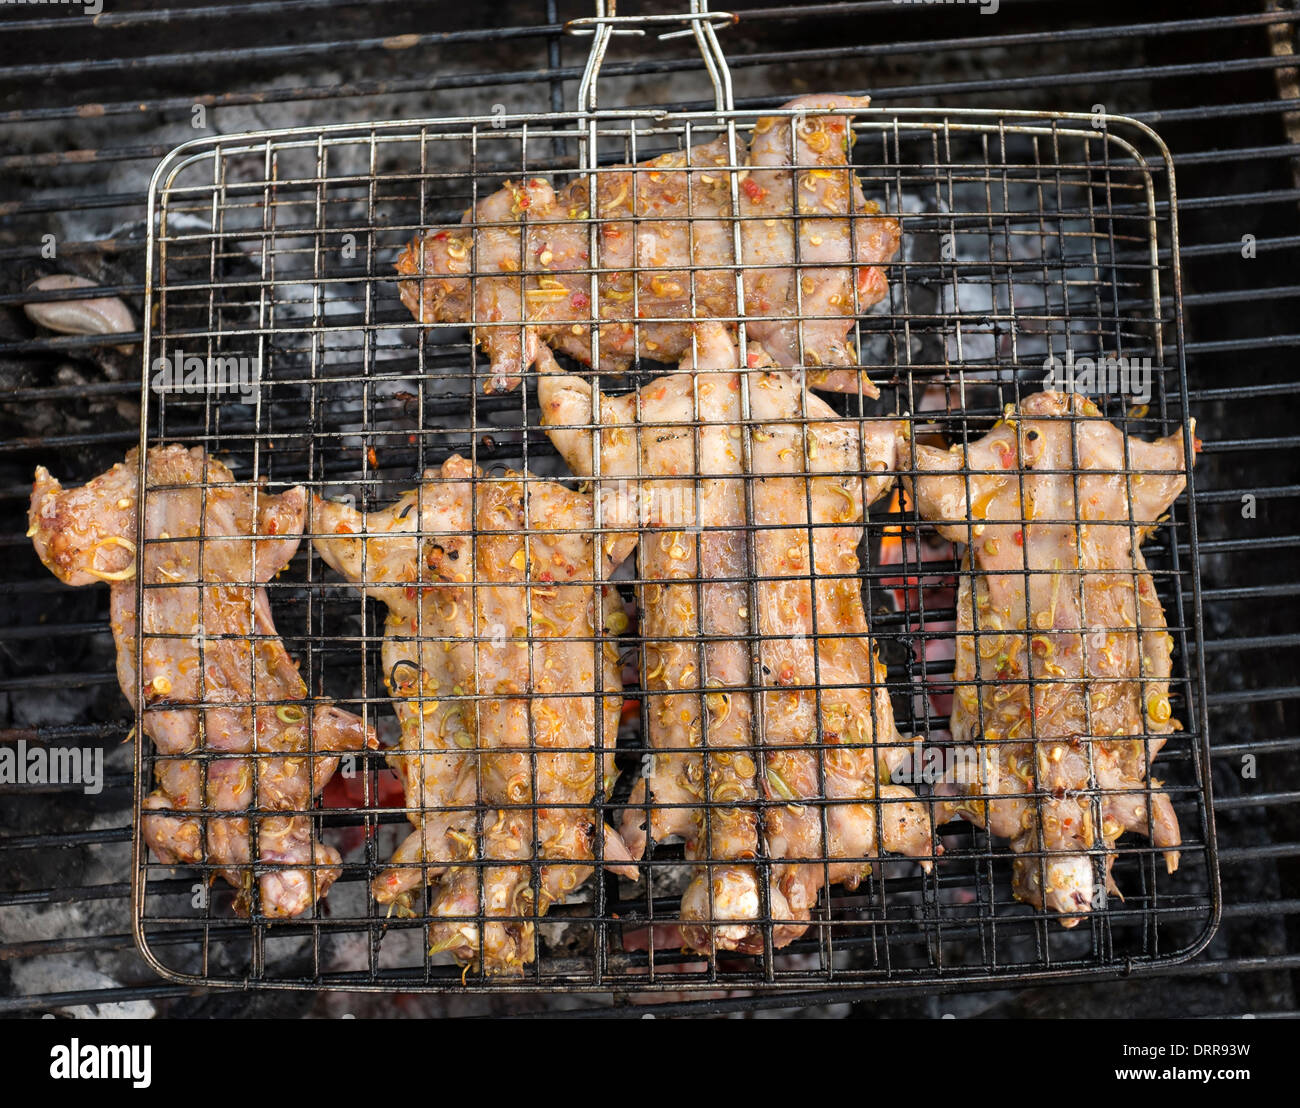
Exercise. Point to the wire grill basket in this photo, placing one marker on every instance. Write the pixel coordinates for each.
(1024, 237)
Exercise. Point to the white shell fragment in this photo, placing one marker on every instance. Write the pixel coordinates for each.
(104, 315)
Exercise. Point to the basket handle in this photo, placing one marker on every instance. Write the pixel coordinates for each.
(699, 21)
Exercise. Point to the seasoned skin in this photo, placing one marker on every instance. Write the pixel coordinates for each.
(818, 659)
(436, 771)
(656, 220)
(510, 684)
(650, 450)
(815, 302)
(675, 607)
(1077, 667)
(198, 657)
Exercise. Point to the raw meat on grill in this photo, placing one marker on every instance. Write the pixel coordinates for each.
(217, 680)
(490, 653)
(672, 459)
(1062, 687)
(518, 268)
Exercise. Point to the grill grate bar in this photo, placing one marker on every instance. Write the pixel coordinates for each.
(207, 13)
(927, 47)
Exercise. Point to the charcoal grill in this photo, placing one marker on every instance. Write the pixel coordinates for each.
(1058, 229)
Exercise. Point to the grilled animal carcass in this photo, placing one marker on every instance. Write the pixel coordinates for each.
(1063, 659)
(732, 785)
(519, 266)
(216, 678)
(493, 658)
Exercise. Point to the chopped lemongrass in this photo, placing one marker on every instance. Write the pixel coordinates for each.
(117, 574)
(779, 785)
(1158, 708)
(719, 705)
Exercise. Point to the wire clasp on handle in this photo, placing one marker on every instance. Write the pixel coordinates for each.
(701, 23)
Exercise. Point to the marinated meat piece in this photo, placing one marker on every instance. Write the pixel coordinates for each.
(521, 274)
(804, 302)
(216, 677)
(380, 552)
(1063, 687)
(493, 581)
(673, 480)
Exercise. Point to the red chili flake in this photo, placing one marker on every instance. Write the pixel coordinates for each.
(1020, 538)
(440, 236)
(546, 575)
(1196, 444)
(273, 527)
(524, 200)
(372, 457)
(578, 301)
(410, 440)
(753, 359)
(343, 529)
(1008, 459)
(753, 189)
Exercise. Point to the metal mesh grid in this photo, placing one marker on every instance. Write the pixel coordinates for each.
(1044, 231)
